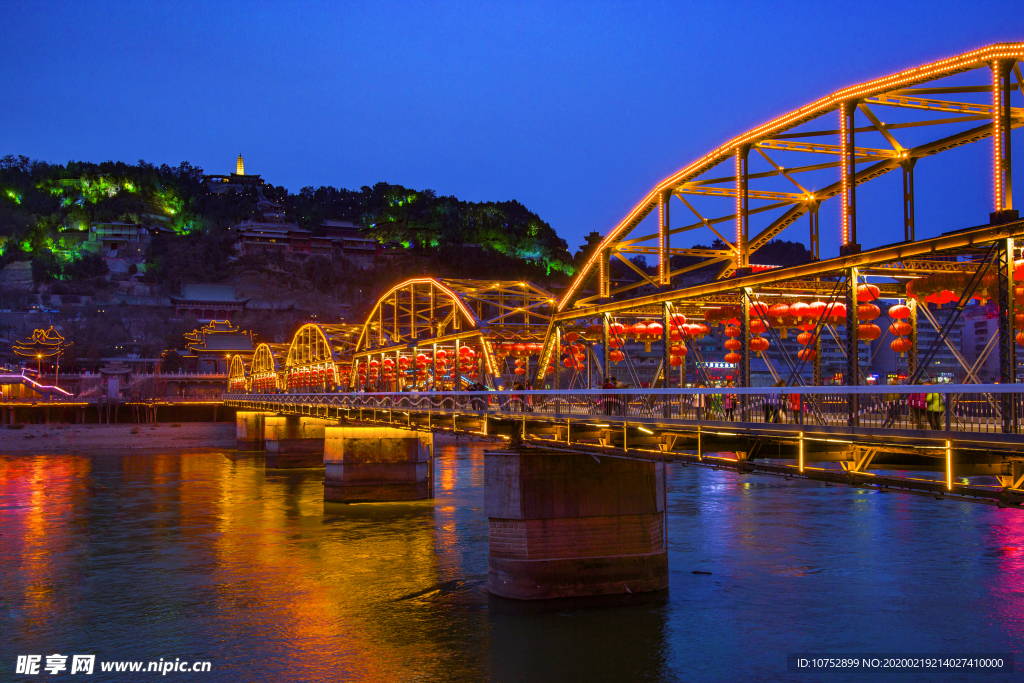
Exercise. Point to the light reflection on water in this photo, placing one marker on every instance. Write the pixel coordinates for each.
(208, 557)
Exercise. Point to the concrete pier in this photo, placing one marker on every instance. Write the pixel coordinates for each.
(249, 429)
(377, 464)
(293, 441)
(571, 525)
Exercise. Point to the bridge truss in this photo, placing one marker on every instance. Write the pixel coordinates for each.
(447, 334)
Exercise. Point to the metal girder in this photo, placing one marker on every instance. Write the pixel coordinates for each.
(916, 266)
(861, 153)
(790, 197)
(703, 253)
(873, 171)
(924, 103)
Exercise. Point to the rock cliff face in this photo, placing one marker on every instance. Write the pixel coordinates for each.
(17, 276)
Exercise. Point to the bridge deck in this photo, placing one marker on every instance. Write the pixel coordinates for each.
(882, 452)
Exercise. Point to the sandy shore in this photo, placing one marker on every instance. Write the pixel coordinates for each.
(64, 438)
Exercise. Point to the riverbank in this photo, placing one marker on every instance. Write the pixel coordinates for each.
(159, 436)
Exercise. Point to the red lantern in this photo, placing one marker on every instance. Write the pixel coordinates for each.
(900, 329)
(799, 310)
(758, 344)
(759, 308)
(519, 349)
(568, 362)
(678, 350)
(867, 293)
(732, 331)
(837, 311)
(899, 311)
(704, 329)
(617, 329)
(868, 331)
(778, 311)
(677, 320)
(732, 358)
(900, 346)
(733, 344)
(1020, 338)
(868, 312)
(595, 330)
(572, 337)
(520, 371)
(616, 356)
(806, 354)
(805, 339)
(441, 355)
(758, 326)
(654, 329)
(675, 361)
(639, 330)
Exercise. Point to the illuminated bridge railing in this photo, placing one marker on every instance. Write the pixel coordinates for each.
(953, 408)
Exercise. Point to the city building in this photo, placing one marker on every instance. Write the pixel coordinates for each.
(980, 329)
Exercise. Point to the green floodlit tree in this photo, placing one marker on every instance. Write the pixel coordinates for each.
(42, 205)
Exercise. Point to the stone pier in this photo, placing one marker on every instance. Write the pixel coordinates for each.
(249, 426)
(293, 441)
(571, 525)
(377, 464)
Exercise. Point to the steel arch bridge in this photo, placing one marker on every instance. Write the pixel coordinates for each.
(421, 326)
(778, 172)
(771, 176)
(770, 171)
(316, 359)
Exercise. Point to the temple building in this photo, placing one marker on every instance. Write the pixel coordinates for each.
(208, 302)
(211, 347)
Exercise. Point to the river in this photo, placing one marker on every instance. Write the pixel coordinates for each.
(208, 557)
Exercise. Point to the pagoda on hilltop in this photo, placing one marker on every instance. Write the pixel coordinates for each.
(238, 180)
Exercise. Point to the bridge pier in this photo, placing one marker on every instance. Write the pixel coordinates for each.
(294, 441)
(377, 464)
(249, 426)
(573, 525)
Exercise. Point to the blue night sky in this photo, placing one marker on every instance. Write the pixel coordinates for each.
(574, 109)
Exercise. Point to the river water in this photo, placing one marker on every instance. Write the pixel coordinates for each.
(210, 557)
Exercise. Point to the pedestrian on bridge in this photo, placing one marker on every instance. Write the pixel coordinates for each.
(918, 406)
(936, 409)
(729, 403)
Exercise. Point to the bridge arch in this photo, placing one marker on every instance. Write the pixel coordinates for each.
(777, 192)
(237, 376)
(316, 359)
(264, 374)
(448, 332)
